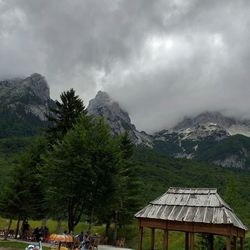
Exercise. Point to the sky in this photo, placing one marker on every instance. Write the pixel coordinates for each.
(161, 59)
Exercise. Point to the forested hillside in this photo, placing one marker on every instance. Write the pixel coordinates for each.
(158, 173)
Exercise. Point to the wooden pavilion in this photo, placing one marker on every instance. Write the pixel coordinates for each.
(191, 210)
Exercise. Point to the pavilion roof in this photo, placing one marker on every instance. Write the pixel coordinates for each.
(199, 205)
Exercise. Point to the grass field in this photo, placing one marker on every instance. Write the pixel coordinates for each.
(16, 245)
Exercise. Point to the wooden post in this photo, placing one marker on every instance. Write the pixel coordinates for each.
(152, 238)
(187, 241)
(165, 240)
(228, 243)
(192, 246)
(140, 238)
(241, 243)
(235, 243)
(211, 241)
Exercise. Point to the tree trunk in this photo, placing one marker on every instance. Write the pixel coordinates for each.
(107, 228)
(71, 224)
(17, 227)
(91, 219)
(44, 222)
(59, 226)
(71, 217)
(22, 229)
(8, 230)
(116, 228)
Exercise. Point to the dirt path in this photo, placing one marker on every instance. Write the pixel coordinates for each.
(110, 248)
(99, 248)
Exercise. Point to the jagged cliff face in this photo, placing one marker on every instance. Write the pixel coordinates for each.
(23, 104)
(118, 119)
(28, 96)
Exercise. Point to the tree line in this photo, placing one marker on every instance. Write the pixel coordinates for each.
(75, 171)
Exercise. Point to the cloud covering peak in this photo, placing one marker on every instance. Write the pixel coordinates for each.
(160, 59)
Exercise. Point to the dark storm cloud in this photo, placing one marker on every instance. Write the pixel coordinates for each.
(161, 59)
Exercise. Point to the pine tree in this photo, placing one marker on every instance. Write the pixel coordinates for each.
(64, 115)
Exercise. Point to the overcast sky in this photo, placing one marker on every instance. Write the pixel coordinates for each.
(161, 59)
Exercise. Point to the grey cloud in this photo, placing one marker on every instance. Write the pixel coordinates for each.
(161, 59)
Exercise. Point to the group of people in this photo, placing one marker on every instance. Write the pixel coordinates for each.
(88, 241)
(83, 241)
(41, 233)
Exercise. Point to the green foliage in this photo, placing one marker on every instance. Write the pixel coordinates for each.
(129, 199)
(12, 124)
(13, 146)
(64, 115)
(22, 196)
(81, 170)
(233, 145)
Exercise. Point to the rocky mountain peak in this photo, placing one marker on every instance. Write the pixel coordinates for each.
(103, 98)
(205, 118)
(118, 119)
(103, 105)
(26, 96)
(230, 125)
(38, 85)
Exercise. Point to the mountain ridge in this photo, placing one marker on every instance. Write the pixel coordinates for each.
(209, 137)
(191, 138)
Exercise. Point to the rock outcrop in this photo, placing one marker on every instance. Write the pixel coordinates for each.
(118, 119)
(28, 96)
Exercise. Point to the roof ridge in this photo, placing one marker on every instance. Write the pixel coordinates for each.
(191, 188)
(185, 205)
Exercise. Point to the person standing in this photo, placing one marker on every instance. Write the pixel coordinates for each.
(84, 242)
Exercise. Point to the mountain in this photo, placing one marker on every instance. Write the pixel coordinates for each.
(231, 125)
(118, 119)
(209, 137)
(23, 104)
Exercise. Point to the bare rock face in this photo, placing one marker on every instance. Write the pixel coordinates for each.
(118, 119)
(37, 84)
(26, 96)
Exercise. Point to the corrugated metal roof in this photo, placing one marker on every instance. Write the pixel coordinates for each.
(201, 205)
